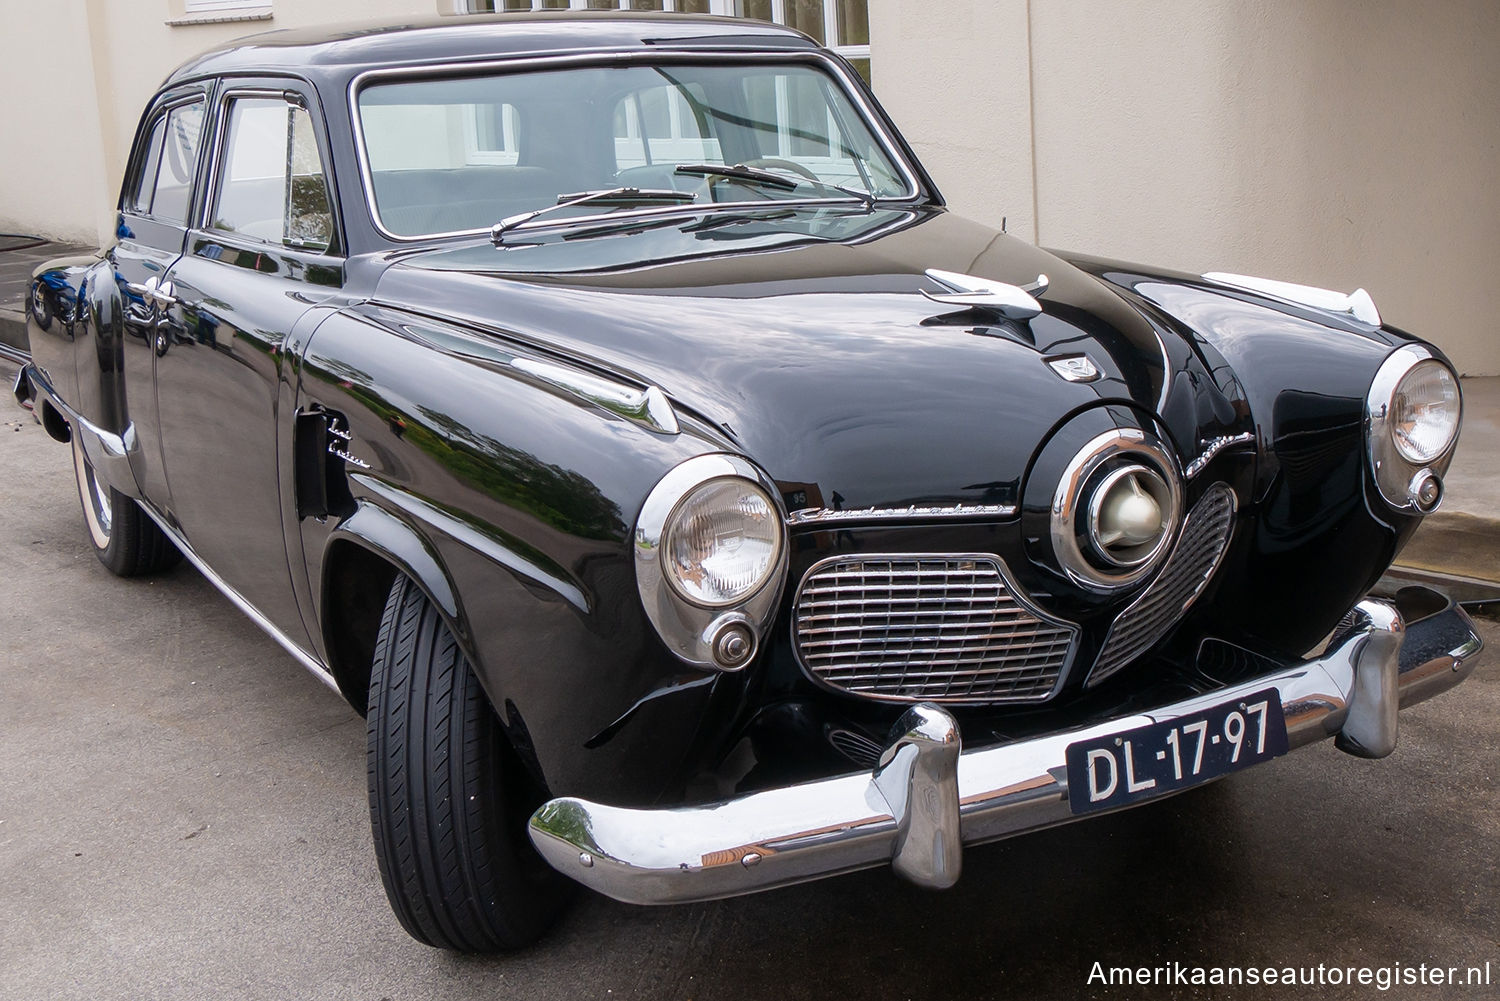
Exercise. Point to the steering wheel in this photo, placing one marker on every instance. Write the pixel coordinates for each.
(777, 163)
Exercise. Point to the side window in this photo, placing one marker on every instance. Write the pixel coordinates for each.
(164, 186)
(273, 187)
(139, 200)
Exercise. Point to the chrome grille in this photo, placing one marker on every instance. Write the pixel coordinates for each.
(1205, 536)
(927, 628)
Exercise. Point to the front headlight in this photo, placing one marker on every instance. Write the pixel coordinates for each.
(1412, 418)
(1424, 412)
(722, 542)
(711, 559)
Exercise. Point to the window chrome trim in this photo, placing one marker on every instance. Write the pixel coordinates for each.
(836, 68)
(136, 163)
(199, 221)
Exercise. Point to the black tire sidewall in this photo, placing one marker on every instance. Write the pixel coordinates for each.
(449, 828)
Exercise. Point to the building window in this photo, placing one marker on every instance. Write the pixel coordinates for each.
(191, 7)
(842, 25)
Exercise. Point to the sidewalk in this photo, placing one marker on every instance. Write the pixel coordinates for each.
(19, 256)
(1463, 538)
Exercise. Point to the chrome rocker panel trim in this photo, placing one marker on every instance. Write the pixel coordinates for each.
(924, 800)
(303, 657)
(110, 452)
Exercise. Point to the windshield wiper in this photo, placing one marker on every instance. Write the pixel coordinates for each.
(604, 196)
(771, 178)
(739, 172)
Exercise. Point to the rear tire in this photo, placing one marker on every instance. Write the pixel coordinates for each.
(123, 536)
(449, 799)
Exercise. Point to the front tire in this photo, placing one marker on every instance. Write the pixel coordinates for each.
(449, 799)
(124, 538)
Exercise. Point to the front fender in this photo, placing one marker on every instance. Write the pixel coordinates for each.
(1306, 374)
(510, 501)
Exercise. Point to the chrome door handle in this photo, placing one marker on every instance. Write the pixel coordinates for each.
(154, 291)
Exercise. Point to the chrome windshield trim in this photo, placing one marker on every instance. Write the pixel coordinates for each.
(836, 68)
(913, 512)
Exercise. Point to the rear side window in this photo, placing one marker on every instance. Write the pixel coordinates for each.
(274, 188)
(164, 186)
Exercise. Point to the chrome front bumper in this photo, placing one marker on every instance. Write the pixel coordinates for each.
(925, 799)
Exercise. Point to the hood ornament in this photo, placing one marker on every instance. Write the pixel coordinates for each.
(1016, 302)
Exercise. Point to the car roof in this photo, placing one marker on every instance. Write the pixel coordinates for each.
(326, 51)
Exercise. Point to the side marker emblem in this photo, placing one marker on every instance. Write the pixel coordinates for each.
(1074, 368)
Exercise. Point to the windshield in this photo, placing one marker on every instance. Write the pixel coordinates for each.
(458, 155)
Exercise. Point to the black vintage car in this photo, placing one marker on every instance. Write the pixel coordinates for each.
(609, 408)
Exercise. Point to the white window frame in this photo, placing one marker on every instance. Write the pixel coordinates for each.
(506, 155)
(723, 7)
(191, 7)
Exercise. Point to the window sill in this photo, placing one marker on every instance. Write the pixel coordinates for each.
(225, 18)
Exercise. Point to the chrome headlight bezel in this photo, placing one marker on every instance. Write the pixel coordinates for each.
(721, 636)
(1398, 476)
(1074, 515)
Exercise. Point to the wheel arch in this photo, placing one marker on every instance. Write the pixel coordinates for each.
(360, 561)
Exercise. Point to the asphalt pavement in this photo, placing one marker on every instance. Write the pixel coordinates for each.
(182, 815)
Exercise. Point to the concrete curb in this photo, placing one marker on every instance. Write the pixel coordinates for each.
(1456, 544)
(13, 330)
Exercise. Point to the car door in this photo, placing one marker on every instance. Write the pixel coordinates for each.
(266, 252)
(154, 210)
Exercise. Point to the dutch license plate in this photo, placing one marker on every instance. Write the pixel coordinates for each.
(1122, 768)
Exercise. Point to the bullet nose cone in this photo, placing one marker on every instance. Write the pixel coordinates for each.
(1130, 516)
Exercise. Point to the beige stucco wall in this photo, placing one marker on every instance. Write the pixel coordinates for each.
(1330, 142)
(76, 75)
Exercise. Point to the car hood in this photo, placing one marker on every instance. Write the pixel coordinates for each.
(804, 337)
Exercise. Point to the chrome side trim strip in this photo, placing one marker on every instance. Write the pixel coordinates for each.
(802, 832)
(1356, 304)
(913, 512)
(303, 657)
(1213, 447)
(647, 406)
